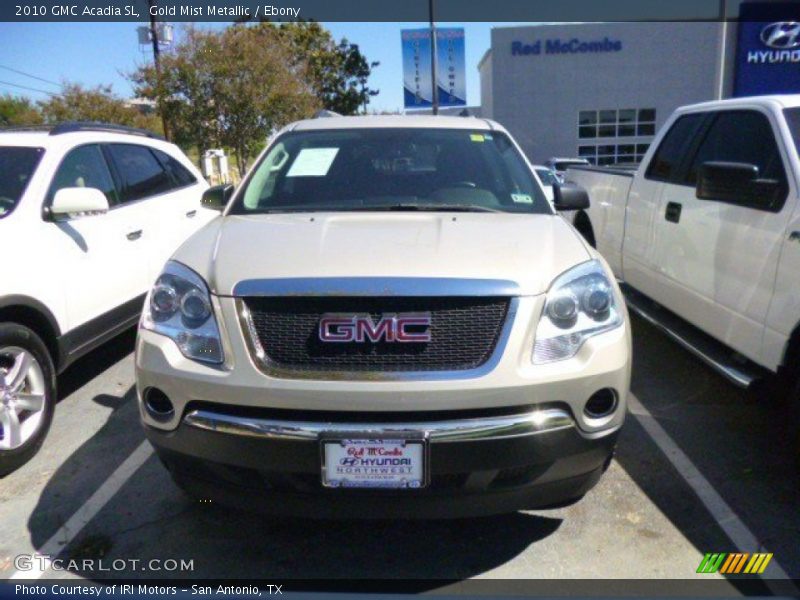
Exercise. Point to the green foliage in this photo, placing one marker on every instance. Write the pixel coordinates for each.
(18, 111)
(76, 103)
(228, 89)
(338, 73)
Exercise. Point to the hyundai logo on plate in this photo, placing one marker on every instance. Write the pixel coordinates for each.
(783, 35)
(402, 328)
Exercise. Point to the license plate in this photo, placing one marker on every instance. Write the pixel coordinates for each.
(389, 463)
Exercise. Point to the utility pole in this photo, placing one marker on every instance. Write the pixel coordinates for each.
(434, 86)
(157, 62)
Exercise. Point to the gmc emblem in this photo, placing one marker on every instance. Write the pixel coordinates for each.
(402, 327)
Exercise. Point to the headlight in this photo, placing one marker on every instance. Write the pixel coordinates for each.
(580, 304)
(179, 307)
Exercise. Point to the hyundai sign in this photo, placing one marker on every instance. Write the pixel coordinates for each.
(450, 67)
(768, 49)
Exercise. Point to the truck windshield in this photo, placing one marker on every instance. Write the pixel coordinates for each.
(17, 165)
(392, 169)
(793, 121)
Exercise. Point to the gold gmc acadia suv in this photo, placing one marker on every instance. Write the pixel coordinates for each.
(388, 319)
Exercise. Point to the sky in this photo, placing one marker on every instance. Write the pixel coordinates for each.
(103, 53)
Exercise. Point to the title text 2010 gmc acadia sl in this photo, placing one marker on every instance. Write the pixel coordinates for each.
(389, 318)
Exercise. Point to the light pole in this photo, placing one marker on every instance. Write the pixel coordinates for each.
(434, 86)
(157, 62)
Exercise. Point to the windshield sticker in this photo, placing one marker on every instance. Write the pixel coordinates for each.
(312, 162)
(476, 137)
(522, 198)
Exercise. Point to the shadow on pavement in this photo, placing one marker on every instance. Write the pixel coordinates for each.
(734, 440)
(93, 364)
(163, 523)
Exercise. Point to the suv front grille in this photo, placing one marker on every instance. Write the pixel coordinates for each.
(464, 333)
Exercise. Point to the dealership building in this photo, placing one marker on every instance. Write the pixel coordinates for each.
(602, 90)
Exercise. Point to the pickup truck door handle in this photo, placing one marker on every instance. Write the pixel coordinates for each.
(191, 214)
(673, 212)
(134, 235)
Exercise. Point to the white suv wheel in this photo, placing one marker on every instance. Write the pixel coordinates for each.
(22, 396)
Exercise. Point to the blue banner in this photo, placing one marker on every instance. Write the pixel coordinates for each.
(768, 49)
(450, 67)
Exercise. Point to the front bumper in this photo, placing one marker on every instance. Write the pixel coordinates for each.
(477, 465)
(240, 436)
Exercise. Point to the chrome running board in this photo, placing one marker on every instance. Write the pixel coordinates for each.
(709, 350)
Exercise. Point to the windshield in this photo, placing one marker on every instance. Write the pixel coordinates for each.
(793, 121)
(17, 165)
(547, 176)
(392, 169)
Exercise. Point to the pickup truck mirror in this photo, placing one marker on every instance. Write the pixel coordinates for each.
(738, 183)
(73, 200)
(568, 196)
(216, 197)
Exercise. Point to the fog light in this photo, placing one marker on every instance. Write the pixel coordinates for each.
(158, 404)
(601, 404)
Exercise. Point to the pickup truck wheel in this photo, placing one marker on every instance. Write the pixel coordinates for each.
(27, 395)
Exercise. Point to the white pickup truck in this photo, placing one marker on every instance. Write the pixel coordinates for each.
(705, 234)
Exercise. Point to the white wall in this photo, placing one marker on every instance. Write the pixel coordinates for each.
(537, 97)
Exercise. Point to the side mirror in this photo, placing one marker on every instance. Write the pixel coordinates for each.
(78, 200)
(568, 196)
(738, 183)
(216, 197)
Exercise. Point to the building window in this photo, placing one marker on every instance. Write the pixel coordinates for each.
(610, 123)
(613, 154)
(607, 126)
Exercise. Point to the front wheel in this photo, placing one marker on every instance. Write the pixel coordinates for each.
(27, 395)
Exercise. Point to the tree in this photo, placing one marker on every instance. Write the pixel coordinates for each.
(18, 111)
(76, 103)
(338, 72)
(231, 88)
(185, 89)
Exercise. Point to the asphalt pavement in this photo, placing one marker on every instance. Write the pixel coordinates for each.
(701, 467)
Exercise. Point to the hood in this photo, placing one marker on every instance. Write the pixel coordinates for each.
(530, 250)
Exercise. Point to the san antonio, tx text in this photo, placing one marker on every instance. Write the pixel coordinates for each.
(135, 590)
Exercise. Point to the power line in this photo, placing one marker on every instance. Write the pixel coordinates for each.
(32, 89)
(17, 71)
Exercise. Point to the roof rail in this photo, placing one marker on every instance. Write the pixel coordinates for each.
(24, 128)
(73, 126)
(324, 114)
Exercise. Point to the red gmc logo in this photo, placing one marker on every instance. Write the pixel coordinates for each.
(402, 327)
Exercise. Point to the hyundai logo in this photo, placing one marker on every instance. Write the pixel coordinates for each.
(403, 328)
(783, 35)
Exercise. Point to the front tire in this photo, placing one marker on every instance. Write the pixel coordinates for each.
(27, 395)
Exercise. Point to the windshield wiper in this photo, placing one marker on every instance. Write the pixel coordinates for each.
(430, 208)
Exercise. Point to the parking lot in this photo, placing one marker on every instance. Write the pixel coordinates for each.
(700, 467)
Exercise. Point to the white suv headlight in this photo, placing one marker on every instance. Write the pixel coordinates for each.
(580, 303)
(179, 307)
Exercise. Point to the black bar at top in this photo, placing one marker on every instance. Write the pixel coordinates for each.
(509, 11)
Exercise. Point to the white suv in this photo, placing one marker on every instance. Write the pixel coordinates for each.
(389, 318)
(89, 213)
